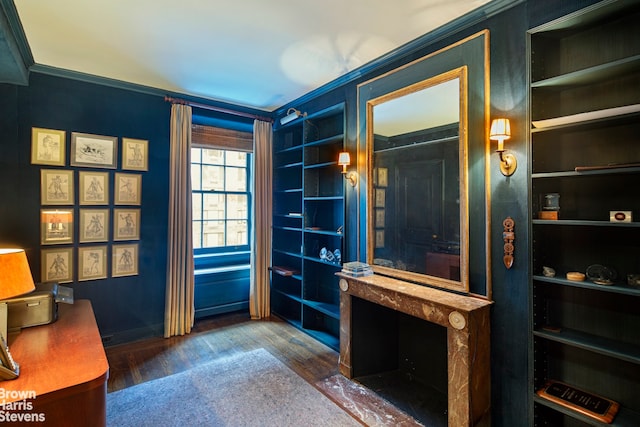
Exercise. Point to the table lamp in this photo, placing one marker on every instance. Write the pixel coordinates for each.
(15, 279)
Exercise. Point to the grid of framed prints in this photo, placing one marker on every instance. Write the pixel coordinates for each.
(78, 233)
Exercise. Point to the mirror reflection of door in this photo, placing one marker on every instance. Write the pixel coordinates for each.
(418, 219)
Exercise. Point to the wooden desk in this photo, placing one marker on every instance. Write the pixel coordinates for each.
(64, 363)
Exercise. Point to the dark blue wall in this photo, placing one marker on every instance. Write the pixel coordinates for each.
(127, 307)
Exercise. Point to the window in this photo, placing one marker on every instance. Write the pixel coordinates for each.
(221, 199)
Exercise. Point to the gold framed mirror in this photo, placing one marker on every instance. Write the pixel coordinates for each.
(417, 163)
(425, 195)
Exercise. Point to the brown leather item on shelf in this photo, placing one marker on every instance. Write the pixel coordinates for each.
(591, 405)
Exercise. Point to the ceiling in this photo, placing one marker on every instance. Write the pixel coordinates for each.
(254, 53)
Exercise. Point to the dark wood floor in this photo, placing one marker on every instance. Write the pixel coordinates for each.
(217, 336)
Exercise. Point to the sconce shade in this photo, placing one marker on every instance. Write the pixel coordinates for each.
(500, 130)
(344, 159)
(15, 274)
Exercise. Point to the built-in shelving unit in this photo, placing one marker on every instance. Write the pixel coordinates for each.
(308, 223)
(585, 113)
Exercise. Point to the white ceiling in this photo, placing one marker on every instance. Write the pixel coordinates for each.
(255, 53)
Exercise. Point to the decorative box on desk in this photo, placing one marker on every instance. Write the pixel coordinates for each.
(63, 372)
(39, 307)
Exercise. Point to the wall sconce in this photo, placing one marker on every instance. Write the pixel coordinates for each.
(292, 114)
(344, 160)
(501, 131)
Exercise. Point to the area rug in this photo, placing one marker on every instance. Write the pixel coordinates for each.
(248, 389)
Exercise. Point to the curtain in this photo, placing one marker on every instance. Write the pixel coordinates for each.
(259, 300)
(179, 302)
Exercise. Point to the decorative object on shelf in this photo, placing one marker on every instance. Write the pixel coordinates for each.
(357, 269)
(284, 271)
(576, 276)
(338, 255)
(548, 272)
(620, 216)
(551, 202)
(48, 147)
(509, 236)
(633, 279)
(501, 131)
(591, 405)
(344, 160)
(601, 275)
(548, 215)
(292, 114)
(329, 256)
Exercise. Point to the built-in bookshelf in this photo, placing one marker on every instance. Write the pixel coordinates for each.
(585, 112)
(308, 223)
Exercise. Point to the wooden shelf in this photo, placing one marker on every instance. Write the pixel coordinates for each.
(591, 75)
(625, 417)
(607, 347)
(615, 288)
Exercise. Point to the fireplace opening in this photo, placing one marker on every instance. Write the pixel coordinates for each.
(401, 358)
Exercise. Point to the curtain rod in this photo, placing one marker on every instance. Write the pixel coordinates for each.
(218, 109)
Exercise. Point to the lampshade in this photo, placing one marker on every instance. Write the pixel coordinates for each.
(344, 159)
(15, 275)
(500, 130)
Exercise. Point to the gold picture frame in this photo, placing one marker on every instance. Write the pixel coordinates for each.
(135, 154)
(95, 151)
(92, 262)
(56, 187)
(126, 224)
(57, 265)
(93, 188)
(127, 187)
(124, 260)
(48, 147)
(94, 225)
(56, 226)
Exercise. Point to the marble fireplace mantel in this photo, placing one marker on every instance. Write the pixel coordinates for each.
(468, 337)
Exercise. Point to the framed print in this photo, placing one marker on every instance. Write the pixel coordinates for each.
(56, 187)
(383, 179)
(94, 188)
(127, 189)
(57, 265)
(124, 261)
(380, 197)
(379, 218)
(379, 238)
(94, 150)
(92, 262)
(56, 226)
(126, 224)
(48, 147)
(94, 225)
(134, 154)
